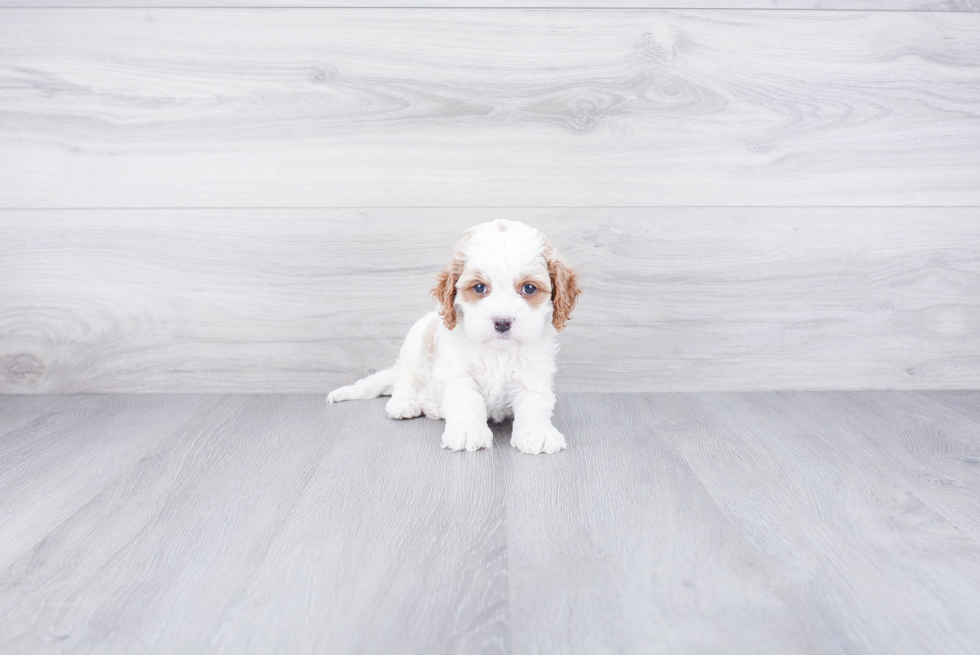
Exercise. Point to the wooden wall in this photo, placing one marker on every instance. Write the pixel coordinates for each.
(251, 198)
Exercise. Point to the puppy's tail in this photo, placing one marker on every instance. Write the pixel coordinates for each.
(374, 385)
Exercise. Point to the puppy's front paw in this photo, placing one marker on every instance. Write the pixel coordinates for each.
(401, 407)
(537, 439)
(470, 437)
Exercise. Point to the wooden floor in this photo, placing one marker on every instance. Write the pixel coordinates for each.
(823, 522)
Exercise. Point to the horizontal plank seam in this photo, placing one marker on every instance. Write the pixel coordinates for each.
(560, 393)
(342, 207)
(506, 8)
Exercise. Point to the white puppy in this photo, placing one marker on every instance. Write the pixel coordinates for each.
(489, 350)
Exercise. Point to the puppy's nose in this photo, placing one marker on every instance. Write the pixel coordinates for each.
(502, 324)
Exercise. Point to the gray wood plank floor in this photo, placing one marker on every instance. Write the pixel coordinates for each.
(830, 522)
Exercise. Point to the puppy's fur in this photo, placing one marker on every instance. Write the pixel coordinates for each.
(489, 349)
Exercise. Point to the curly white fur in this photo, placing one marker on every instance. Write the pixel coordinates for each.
(489, 349)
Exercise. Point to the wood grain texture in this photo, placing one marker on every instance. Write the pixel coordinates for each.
(254, 524)
(818, 503)
(349, 107)
(742, 523)
(810, 5)
(95, 439)
(615, 546)
(306, 300)
(936, 453)
(713, 522)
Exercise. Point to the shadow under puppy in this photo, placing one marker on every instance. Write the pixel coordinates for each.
(489, 350)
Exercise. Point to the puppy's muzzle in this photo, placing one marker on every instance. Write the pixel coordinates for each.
(502, 325)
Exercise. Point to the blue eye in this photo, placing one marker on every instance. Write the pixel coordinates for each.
(529, 289)
(480, 288)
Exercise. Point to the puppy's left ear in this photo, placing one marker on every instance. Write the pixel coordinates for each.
(564, 290)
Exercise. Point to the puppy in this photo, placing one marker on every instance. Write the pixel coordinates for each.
(489, 349)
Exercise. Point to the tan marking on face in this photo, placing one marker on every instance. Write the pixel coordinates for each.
(539, 297)
(466, 287)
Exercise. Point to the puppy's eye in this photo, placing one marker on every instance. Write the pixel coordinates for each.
(529, 289)
(480, 288)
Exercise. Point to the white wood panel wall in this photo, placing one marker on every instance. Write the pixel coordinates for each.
(304, 299)
(476, 108)
(257, 199)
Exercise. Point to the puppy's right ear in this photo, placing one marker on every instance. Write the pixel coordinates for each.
(444, 292)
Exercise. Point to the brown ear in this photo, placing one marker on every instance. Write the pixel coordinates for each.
(444, 292)
(564, 291)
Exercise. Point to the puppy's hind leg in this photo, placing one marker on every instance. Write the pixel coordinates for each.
(410, 369)
(382, 383)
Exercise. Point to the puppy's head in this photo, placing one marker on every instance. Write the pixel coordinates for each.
(505, 282)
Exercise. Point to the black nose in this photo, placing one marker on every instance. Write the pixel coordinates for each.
(501, 324)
